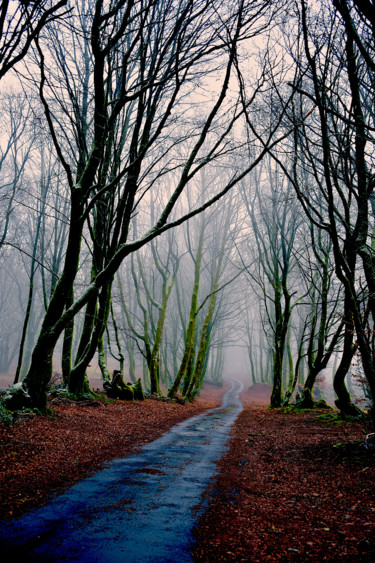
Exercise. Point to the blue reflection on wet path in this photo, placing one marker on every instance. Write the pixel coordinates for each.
(140, 508)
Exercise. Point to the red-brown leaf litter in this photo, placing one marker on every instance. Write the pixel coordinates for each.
(290, 487)
(42, 455)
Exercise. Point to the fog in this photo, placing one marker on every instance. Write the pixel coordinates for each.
(170, 206)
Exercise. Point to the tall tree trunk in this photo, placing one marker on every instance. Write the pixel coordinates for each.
(66, 359)
(78, 382)
(190, 333)
(282, 317)
(344, 402)
(106, 377)
(40, 370)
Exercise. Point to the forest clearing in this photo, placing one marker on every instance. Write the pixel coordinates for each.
(292, 486)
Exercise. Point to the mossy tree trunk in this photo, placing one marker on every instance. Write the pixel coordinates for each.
(78, 382)
(189, 349)
(204, 341)
(119, 356)
(282, 310)
(162, 308)
(106, 376)
(344, 402)
(66, 357)
(289, 369)
(299, 362)
(201, 360)
(114, 111)
(40, 370)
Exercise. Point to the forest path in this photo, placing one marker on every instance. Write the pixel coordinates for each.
(141, 508)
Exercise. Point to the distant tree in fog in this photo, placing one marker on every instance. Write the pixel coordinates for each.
(274, 222)
(115, 121)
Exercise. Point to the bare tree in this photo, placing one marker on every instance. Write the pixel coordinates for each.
(20, 25)
(274, 221)
(142, 72)
(324, 326)
(15, 153)
(337, 146)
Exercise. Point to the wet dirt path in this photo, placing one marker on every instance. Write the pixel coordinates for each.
(140, 508)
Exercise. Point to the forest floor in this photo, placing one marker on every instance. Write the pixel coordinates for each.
(293, 487)
(43, 455)
(290, 487)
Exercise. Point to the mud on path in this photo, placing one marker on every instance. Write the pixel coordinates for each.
(291, 488)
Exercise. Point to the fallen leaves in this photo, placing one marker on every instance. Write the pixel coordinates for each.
(42, 455)
(297, 497)
(284, 494)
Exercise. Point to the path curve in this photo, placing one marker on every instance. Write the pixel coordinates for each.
(139, 508)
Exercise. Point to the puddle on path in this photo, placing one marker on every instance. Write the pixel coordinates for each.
(141, 508)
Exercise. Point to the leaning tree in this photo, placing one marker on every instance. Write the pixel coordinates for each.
(336, 76)
(124, 92)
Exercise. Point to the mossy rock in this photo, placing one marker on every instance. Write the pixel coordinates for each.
(339, 418)
(126, 393)
(5, 416)
(118, 389)
(16, 398)
(138, 391)
(322, 404)
(305, 401)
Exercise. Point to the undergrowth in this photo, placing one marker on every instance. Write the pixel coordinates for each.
(338, 418)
